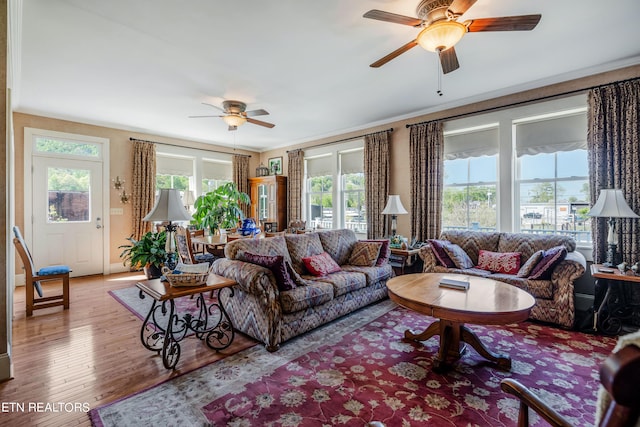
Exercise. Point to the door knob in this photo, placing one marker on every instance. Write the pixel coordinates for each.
(98, 223)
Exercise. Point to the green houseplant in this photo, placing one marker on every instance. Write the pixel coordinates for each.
(148, 252)
(220, 208)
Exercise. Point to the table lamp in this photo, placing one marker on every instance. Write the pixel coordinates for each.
(188, 198)
(611, 204)
(394, 208)
(169, 207)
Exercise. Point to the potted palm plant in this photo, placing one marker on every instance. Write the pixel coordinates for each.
(220, 208)
(148, 253)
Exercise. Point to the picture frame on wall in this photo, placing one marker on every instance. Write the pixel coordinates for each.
(275, 165)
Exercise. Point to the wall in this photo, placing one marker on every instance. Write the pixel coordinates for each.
(121, 149)
(400, 172)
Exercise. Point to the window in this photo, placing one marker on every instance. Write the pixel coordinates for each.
(553, 176)
(52, 145)
(470, 179)
(334, 192)
(173, 172)
(469, 195)
(68, 194)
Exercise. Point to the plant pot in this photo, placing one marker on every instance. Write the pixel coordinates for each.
(152, 271)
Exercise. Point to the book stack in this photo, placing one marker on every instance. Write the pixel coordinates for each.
(459, 282)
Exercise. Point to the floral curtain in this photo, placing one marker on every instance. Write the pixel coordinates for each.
(376, 178)
(295, 185)
(241, 177)
(143, 185)
(426, 147)
(614, 161)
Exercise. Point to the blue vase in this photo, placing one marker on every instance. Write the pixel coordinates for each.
(248, 227)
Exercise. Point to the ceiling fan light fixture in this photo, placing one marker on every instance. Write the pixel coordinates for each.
(441, 35)
(234, 119)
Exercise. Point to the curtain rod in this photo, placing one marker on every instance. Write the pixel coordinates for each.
(514, 104)
(342, 140)
(182, 146)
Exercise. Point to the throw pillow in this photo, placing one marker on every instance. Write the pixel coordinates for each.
(365, 254)
(440, 254)
(321, 264)
(385, 251)
(499, 262)
(457, 255)
(276, 263)
(531, 263)
(550, 259)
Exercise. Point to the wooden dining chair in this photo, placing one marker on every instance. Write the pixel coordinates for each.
(197, 248)
(620, 406)
(45, 274)
(185, 252)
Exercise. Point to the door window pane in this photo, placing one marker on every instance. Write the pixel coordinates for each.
(69, 198)
(60, 146)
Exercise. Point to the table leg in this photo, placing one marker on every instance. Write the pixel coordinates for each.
(221, 334)
(453, 336)
(170, 347)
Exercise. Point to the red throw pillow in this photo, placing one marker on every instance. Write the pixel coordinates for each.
(499, 262)
(321, 264)
(276, 263)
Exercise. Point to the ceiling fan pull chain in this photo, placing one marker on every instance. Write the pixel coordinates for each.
(439, 92)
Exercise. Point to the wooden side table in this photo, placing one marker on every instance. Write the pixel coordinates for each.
(401, 258)
(609, 312)
(164, 328)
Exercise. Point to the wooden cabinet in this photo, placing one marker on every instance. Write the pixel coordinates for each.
(269, 200)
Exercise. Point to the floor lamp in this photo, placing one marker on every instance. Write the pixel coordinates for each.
(394, 208)
(169, 207)
(611, 204)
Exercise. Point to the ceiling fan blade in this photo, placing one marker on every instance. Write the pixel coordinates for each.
(254, 113)
(459, 7)
(394, 54)
(449, 60)
(214, 106)
(393, 18)
(260, 123)
(505, 23)
(201, 117)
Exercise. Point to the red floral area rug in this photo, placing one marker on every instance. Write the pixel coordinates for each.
(358, 369)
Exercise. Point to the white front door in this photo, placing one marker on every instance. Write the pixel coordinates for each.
(68, 214)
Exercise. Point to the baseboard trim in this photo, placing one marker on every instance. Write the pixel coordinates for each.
(118, 268)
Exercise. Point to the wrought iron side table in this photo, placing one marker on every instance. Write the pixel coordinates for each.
(610, 310)
(164, 328)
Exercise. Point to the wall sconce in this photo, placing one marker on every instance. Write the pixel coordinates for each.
(118, 183)
(124, 197)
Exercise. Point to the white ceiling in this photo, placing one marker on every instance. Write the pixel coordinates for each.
(145, 65)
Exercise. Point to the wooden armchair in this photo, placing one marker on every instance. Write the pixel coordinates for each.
(45, 274)
(620, 377)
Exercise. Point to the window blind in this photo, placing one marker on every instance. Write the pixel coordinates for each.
(174, 166)
(216, 170)
(320, 166)
(565, 133)
(352, 162)
(484, 142)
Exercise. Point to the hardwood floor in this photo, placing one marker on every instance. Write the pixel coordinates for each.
(86, 356)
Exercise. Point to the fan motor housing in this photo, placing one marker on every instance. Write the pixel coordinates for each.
(431, 11)
(234, 107)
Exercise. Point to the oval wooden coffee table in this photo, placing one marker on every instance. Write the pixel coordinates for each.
(486, 302)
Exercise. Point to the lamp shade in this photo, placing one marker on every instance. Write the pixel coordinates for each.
(441, 35)
(169, 207)
(188, 198)
(394, 206)
(611, 204)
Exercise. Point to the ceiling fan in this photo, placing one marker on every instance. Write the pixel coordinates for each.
(441, 30)
(235, 114)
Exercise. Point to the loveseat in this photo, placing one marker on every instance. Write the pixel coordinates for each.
(265, 309)
(552, 290)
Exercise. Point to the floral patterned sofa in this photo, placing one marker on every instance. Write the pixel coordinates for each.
(264, 310)
(553, 294)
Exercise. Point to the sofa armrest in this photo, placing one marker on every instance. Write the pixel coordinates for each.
(251, 278)
(428, 258)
